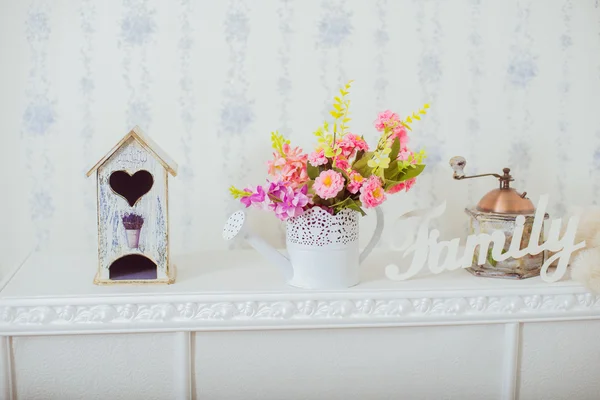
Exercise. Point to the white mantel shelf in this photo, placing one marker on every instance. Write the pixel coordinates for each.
(54, 294)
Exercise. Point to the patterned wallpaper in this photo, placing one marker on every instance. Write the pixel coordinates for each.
(511, 83)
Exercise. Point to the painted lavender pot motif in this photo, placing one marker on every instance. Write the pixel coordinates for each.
(133, 226)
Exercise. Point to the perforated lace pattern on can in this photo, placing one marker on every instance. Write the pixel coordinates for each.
(316, 227)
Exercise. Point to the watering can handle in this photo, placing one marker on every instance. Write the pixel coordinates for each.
(376, 236)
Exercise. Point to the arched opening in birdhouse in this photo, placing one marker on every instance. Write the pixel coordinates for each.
(133, 266)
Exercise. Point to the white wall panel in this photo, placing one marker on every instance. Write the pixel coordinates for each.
(127, 367)
(560, 361)
(388, 363)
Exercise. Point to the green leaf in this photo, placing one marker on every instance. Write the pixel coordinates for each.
(395, 149)
(359, 155)
(354, 206)
(393, 170)
(362, 167)
(412, 172)
(348, 203)
(321, 202)
(237, 193)
(312, 171)
(388, 183)
(277, 141)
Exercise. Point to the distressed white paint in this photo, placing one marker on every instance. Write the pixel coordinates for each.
(112, 240)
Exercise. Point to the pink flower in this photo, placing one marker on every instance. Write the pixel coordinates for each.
(341, 163)
(317, 158)
(406, 185)
(289, 167)
(328, 184)
(276, 191)
(371, 192)
(401, 133)
(404, 154)
(396, 188)
(287, 203)
(352, 143)
(386, 119)
(356, 181)
(255, 198)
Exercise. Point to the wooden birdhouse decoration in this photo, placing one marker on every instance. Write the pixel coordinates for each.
(133, 216)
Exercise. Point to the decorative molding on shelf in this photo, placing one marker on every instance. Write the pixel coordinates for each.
(295, 313)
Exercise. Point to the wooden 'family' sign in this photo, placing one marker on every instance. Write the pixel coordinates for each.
(426, 248)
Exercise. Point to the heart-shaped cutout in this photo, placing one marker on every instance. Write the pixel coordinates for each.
(131, 187)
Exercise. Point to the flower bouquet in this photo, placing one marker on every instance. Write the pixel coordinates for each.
(133, 225)
(342, 172)
(321, 195)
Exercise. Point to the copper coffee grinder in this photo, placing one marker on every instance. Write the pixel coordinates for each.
(497, 210)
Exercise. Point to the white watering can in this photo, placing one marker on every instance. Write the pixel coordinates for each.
(322, 248)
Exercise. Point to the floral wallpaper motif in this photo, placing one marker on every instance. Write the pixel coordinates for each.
(333, 38)
(511, 83)
(285, 13)
(335, 25)
(381, 39)
(87, 130)
(236, 111)
(39, 117)
(137, 29)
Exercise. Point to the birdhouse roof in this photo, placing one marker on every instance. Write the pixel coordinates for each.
(148, 144)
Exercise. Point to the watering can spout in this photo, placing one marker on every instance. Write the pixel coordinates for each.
(235, 227)
(271, 254)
